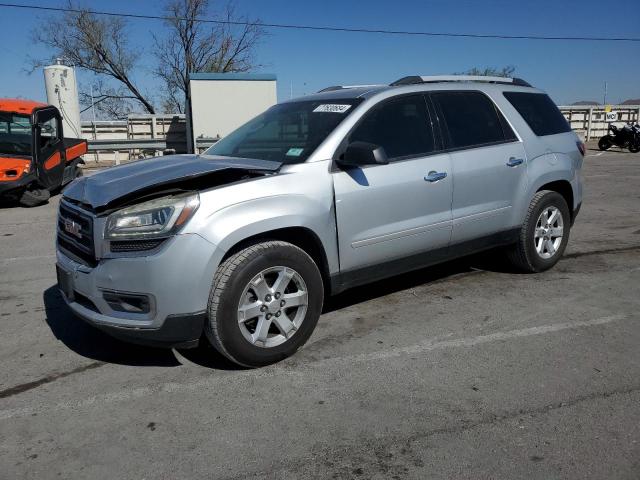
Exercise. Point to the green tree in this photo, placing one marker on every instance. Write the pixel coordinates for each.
(507, 71)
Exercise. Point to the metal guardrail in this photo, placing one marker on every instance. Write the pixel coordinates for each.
(111, 145)
(167, 132)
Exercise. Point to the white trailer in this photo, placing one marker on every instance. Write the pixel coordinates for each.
(221, 102)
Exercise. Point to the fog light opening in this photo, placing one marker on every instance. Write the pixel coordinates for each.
(126, 302)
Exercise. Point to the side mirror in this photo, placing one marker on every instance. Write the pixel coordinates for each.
(363, 153)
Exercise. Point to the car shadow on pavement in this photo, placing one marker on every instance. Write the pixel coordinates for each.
(609, 150)
(491, 260)
(207, 356)
(92, 343)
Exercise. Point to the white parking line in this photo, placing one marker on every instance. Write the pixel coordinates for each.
(20, 259)
(210, 382)
(594, 154)
(493, 337)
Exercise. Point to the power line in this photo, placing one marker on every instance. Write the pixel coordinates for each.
(328, 28)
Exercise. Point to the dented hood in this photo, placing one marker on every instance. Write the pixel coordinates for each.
(107, 186)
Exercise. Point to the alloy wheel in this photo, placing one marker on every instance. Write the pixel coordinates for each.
(272, 307)
(549, 232)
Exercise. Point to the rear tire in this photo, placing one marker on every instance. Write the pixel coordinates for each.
(247, 319)
(605, 143)
(544, 233)
(35, 197)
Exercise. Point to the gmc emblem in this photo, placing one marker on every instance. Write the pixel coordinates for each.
(72, 227)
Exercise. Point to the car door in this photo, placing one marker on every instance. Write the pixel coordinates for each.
(388, 212)
(49, 152)
(487, 160)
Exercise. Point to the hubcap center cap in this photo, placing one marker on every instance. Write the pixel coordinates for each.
(273, 306)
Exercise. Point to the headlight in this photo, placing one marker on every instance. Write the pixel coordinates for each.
(156, 218)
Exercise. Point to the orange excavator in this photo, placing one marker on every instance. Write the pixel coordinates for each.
(35, 157)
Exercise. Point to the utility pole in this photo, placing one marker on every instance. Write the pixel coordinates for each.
(93, 107)
(604, 102)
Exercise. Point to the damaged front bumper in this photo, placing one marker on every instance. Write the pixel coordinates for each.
(159, 299)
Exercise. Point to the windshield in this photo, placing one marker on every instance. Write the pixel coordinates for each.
(287, 133)
(15, 134)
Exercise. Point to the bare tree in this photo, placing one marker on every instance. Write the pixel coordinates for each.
(109, 102)
(195, 46)
(97, 44)
(507, 71)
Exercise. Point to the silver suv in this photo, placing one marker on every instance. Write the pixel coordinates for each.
(240, 245)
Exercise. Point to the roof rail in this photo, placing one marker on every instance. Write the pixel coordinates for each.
(416, 79)
(343, 87)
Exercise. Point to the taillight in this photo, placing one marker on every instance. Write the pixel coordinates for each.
(581, 147)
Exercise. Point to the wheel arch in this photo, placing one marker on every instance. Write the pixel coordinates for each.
(564, 188)
(302, 237)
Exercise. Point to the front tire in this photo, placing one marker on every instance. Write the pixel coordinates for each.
(605, 143)
(544, 234)
(264, 304)
(634, 146)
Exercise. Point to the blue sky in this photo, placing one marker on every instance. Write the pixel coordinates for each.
(306, 61)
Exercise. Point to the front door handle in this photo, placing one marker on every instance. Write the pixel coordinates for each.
(434, 176)
(514, 162)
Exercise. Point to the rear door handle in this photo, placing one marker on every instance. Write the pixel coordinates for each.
(514, 162)
(434, 176)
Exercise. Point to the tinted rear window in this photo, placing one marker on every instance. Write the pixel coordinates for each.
(539, 111)
(471, 119)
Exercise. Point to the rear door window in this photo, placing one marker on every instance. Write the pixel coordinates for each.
(471, 119)
(401, 126)
(539, 111)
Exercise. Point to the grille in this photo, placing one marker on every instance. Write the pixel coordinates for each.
(75, 234)
(135, 245)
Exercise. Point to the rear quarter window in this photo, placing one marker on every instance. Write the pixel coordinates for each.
(539, 111)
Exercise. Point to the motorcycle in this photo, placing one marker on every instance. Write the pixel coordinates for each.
(625, 137)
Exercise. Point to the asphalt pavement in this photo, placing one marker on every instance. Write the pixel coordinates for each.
(465, 370)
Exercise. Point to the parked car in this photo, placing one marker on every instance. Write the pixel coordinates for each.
(35, 157)
(241, 245)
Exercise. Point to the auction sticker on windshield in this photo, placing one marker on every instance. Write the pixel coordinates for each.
(295, 152)
(332, 108)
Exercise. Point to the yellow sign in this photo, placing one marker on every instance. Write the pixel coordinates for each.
(607, 108)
